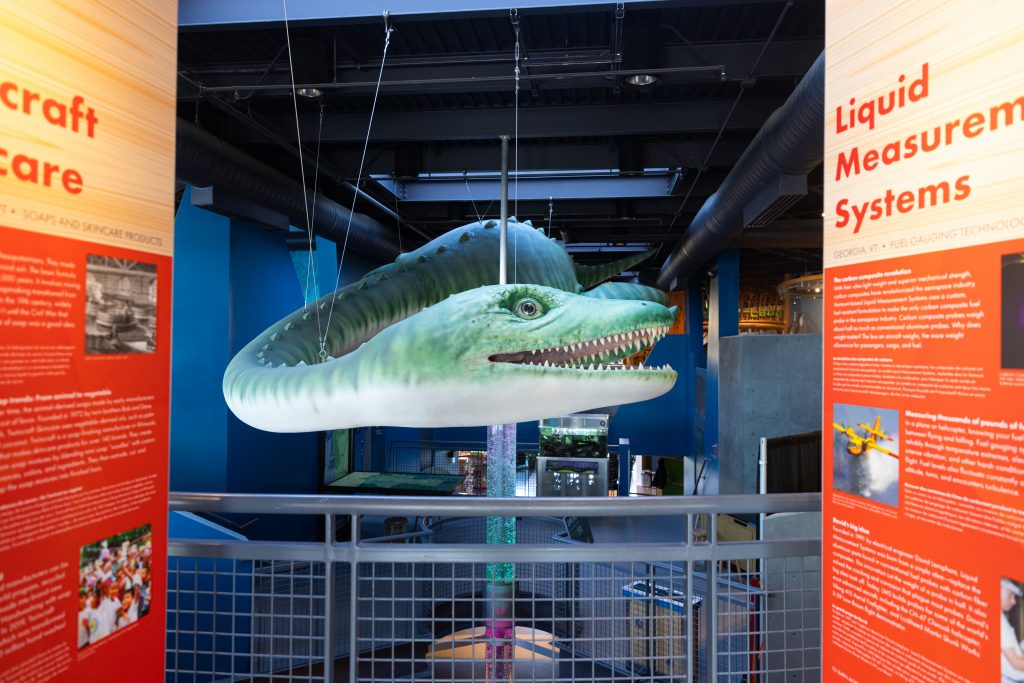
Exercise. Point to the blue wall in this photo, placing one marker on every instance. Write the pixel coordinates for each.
(655, 427)
(232, 281)
(263, 289)
(723, 321)
(325, 259)
(199, 349)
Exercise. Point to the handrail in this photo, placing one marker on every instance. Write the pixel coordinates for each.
(302, 504)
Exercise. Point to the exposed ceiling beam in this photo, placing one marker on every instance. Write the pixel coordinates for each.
(532, 187)
(197, 14)
(492, 72)
(537, 155)
(534, 122)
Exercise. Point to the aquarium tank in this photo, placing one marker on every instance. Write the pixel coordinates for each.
(581, 436)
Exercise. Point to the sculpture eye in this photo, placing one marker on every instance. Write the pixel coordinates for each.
(528, 309)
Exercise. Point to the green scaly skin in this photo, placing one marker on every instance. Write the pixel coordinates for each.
(395, 356)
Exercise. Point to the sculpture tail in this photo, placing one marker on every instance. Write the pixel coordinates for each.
(588, 276)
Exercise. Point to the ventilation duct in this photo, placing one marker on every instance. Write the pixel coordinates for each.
(205, 160)
(773, 200)
(779, 238)
(791, 142)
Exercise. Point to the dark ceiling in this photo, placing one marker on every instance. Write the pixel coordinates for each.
(623, 164)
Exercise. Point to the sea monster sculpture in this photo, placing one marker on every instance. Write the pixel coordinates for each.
(430, 341)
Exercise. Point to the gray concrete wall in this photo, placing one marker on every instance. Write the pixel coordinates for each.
(770, 386)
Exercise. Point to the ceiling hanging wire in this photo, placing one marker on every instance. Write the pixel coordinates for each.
(311, 263)
(398, 221)
(465, 178)
(515, 188)
(298, 136)
(551, 212)
(743, 88)
(388, 30)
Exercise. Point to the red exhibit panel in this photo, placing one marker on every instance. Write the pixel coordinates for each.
(923, 423)
(84, 358)
(86, 191)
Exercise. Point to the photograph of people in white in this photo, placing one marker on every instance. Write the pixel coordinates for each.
(115, 584)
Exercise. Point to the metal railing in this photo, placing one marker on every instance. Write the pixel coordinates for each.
(655, 597)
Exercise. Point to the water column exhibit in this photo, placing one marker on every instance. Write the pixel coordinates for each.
(501, 483)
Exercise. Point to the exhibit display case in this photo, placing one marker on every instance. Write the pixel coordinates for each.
(583, 435)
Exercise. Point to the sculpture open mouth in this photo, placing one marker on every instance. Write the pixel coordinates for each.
(600, 354)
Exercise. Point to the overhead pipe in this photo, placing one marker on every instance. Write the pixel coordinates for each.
(205, 160)
(790, 142)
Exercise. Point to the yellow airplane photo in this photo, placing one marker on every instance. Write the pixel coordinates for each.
(859, 444)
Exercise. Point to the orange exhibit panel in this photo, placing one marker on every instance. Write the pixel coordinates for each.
(923, 419)
(86, 238)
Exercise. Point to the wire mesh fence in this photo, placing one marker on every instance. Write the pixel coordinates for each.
(427, 607)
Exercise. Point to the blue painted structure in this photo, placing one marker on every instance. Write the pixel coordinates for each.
(652, 426)
(536, 186)
(723, 321)
(696, 357)
(200, 352)
(231, 281)
(198, 13)
(263, 289)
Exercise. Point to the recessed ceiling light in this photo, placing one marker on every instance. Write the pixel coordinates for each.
(641, 79)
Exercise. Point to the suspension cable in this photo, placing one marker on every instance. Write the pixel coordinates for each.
(515, 189)
(298, 135)
(551, 212)
(728, 116)
(465, 178)
(398, 221)
(311, 264)
(388, 30)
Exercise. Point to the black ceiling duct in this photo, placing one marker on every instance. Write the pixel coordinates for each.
(791, 142)
(631, 155)
(408, 160)
(640, 48)
(205, 160)
(311, 63)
